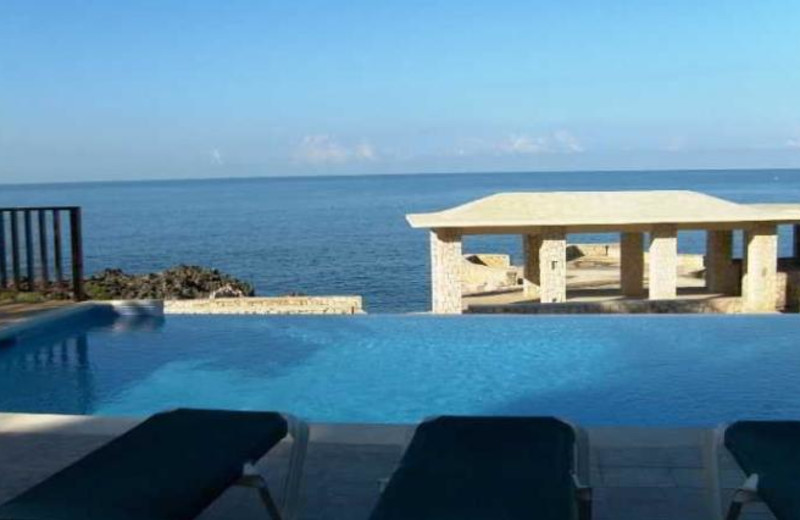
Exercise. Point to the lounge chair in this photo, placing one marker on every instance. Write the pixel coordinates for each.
(769, 454)
(490, 468)
(170, 467)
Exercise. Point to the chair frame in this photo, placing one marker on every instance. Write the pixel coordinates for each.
(581, 472)
(746, 493)
(252, 477)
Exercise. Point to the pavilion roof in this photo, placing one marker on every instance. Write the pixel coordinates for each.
(601, 209)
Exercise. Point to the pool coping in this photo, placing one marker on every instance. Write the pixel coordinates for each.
(46, 318)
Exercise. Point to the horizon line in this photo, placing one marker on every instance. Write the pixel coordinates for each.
(389, 174)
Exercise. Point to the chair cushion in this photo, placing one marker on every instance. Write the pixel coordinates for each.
(483, 468)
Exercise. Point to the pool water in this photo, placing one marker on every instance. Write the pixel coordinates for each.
(598, 370)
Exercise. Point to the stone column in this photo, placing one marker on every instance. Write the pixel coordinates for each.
(720, 276)
(531, 244)
(631, 265)
(663, 262)
(446, 261)
(760, 268)
(553, 265)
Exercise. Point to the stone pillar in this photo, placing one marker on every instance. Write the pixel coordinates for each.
(760, 269)
(531, 244)
(663, 262)
(446, 259)
(553, 265)
(631, 266)
(720, 275)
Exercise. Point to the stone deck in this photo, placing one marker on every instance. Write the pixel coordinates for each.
(689, 300)
(12, 312)
(638, 473)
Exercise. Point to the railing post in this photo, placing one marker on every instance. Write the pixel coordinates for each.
(28, 248)
(15, 249)
(57, 258)
(3, 266)
(77, 253)
(23, 246)
(43, 248)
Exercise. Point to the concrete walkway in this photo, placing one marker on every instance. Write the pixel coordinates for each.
(12, 312)
(638, 473)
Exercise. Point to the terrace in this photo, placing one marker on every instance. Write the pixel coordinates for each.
(637, 473)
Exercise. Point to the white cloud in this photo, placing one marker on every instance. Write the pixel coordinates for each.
(567, 142)
(560, 141)
(675, 144)
(323, 149)
(793, 142)
(523, 144)
(365, 151)
(216, 157)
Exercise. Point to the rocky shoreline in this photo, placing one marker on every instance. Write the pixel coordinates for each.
(183, 282)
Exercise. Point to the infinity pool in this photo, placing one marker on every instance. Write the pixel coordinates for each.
(634, 370)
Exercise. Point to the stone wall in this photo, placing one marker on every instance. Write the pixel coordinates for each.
(268, 305)
(482, 273)
(687, 262)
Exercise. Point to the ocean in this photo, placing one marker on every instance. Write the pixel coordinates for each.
(337, 235)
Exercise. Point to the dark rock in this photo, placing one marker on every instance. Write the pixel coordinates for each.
(184, 282)
(227, 291)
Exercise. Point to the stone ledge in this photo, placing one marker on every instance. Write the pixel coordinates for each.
(719, 305)
(268, 305)
(44, 320)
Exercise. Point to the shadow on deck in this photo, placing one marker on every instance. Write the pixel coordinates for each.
(653, 473)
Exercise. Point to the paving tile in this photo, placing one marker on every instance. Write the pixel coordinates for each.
(595, 475)
(732, 478)
(637, 477)
(689, 477)
(682, 456)
(28, 459)
(625, 436)
(342, 480)
(654, 482)
(638, 503)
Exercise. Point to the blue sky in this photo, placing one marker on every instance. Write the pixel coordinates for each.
(93, 90)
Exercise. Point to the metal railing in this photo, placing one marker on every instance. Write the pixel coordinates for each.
(25, 264)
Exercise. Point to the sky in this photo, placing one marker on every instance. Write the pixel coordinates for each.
(106, 90)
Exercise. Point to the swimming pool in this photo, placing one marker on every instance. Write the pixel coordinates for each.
(632, 370)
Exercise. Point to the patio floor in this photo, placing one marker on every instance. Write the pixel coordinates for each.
(638, 473)
(12, 312)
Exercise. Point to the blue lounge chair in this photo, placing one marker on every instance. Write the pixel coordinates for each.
(490, 468)
(769, 454)
(170, 467)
